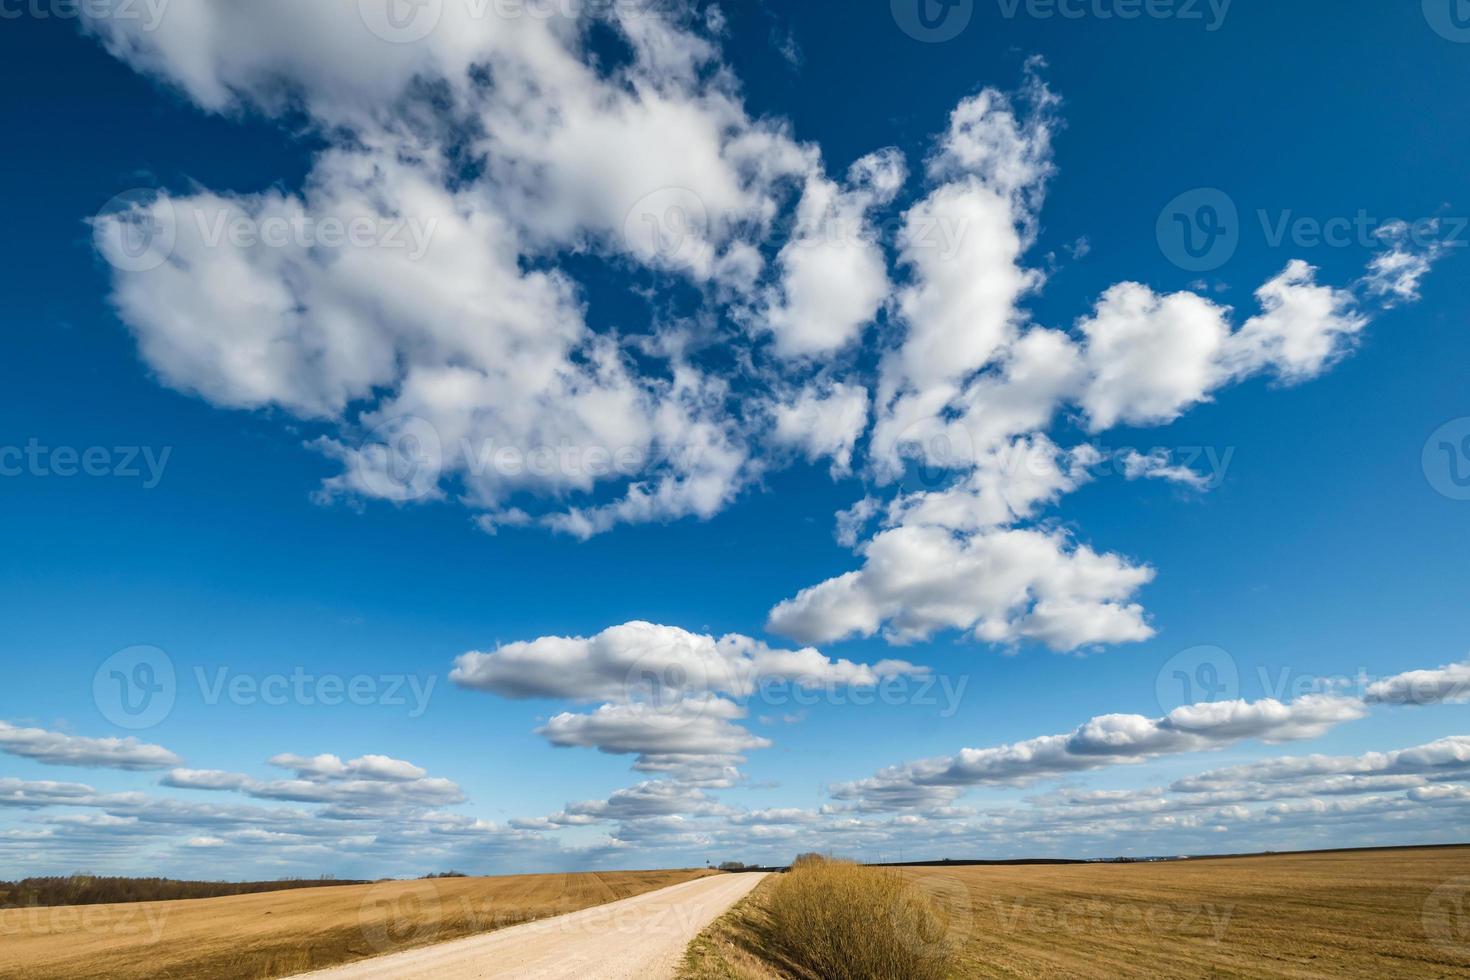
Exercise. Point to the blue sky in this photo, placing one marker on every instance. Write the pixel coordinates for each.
(811, 338)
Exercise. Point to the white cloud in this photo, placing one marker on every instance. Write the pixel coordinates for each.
(1394, 274)
(834, 274)
(1104, 741)
(58, 749)
(658, 163)
(1157, 466)
(643, 661)
(651, 799)
(33, 794)
(824, 422)
(1303, 329)
(1008, 484)
(691, 727)
(963, 246)
(1445, 758)
(668, 693)
(1150, 357)
(1447, 684)
(1003, 585)
(368, 783)
(505, 146)
(379, 767)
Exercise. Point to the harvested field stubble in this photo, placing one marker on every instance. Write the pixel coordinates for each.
(1368, 914)
(1351, 914)
(276, 934)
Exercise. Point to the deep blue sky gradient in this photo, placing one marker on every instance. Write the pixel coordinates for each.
(1325, 550)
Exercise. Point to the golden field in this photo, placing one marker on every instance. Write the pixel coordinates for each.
(277, 934)
(1370, 914)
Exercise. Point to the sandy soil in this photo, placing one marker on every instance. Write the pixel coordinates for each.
(643, 937)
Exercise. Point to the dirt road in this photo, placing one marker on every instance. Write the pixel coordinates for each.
(642, 937)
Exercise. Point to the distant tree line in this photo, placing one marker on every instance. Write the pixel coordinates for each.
(83, 889)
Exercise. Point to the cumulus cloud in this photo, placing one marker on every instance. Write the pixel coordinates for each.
(1003, 586)
(669, 696)
(452, 355)
(1149, 358)
(834, 274)
(658, 163)
(34, 794)
(690, 727)
(1102, 742)
(647, 800)
(645, 661)
(372, 781)
(58, 749)
(1450, 683)
(1447, 758)
(824, 422)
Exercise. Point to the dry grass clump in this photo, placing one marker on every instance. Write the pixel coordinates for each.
(840, 921)
(732, 947)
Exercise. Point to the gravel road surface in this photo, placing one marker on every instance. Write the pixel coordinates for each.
(639, 938)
